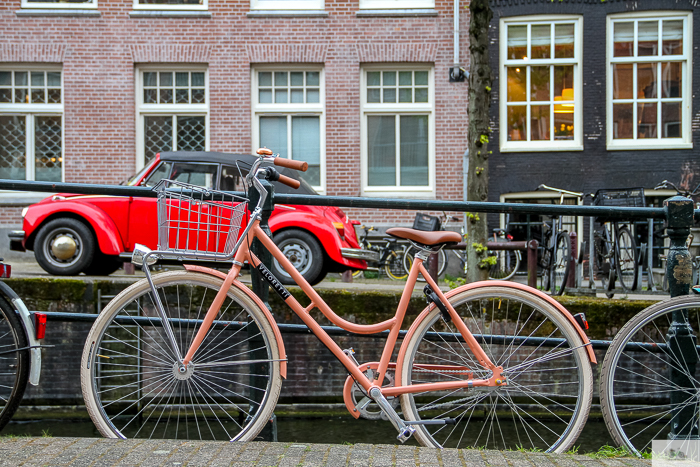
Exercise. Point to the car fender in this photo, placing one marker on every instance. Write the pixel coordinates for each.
(270, 319)
(106, 232)
(475, 285)
(323, 231)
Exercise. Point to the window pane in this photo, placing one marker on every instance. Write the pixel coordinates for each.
(166, 96)
(671, 79)
(182, 96)
(38, 96)
(21, 96)
(564, 82)
(297, 78)
(647, 38)
(539, 83)
(150, 96)
(374, 96)
(265, 78)
(646, 116)
(673, 38)
(280, 78)
(5, 95)
(414, 150)
(405, 78)
(297, 96)
(198, 96)
(21, 78)
(564, 41)
(182, 79)
(421, 95)
(312, 78)
(517, 42)
(671, 120)
(389, 95)
(623, 35)
(265, 96)
(273, 134)
(306, 146)
(421, 78)
(191, 133)
(5, 78)
(389, 78)
(48, 157)
(13, 137)
(516, 123)
(54, 96)
(563, 124)
(166, 79)
(623, 121)
(37, 78)
(516, 84)
(198, 79)
(280, 96)
(150, 79)
(381, 150)
(158, 135)
(195, 174)
(53, 78)
(646, 80)
(623, 81)
(541, 41)
(405, 95)
(373, 78)
(313, 96)
(539, 123)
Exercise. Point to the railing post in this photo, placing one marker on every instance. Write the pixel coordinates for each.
(571, 281)
(262, 290)
(681, 338)
(532, 263)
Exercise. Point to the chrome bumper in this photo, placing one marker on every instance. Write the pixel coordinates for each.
(359, 253)
(16, 239)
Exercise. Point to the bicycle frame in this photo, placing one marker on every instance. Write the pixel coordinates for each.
(393, 325)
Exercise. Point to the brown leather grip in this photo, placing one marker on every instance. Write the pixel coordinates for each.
(290, 182)
(290, 164)
(264, 152)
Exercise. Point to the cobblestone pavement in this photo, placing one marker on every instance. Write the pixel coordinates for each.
(109, 452)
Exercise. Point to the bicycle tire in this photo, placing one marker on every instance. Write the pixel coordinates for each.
(393, 267)
(233, 401)
(507, 264)
(635, 387)
(559, 269)
(506, 417)
(13, 380)
(626, 259)
(408, 262)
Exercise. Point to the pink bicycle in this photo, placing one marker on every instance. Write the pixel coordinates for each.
(195, 354)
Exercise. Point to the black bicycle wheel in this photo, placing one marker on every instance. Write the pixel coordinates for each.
(14, 364)
(605, 270)
(626, 259)
(559, 269)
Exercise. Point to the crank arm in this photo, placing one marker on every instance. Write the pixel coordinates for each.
(238, 362)
(440, 421)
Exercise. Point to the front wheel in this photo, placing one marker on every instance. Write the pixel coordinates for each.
(545, 403)
(132, 382)
(64, 247)
(15, 363)
(626, 260)
(649, 384)
(559, 270)
(394, 266)
(506, 265)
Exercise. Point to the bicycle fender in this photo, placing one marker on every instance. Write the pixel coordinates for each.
(28, 325)
(507, 284)
(270, 319)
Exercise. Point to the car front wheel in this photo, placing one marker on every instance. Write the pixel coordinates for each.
(304, 252)
(64, 247)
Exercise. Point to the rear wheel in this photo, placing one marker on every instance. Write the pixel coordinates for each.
(626, 263)
(507, 263)
(14, 364)
(545, 403)
(559, 271)
(304, 252)
(394, 266)
(64, 247)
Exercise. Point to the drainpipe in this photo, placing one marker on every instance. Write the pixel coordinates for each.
(457, 73)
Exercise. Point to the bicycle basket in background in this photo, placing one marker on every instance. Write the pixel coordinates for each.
(426, 222)
(619, 197)
(198, 221)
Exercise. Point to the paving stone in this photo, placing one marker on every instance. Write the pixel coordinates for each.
(540, 460)
(473, 458)
(208, 450)
(337, 456)
(494, 458)
(140, 453)
(96, 450)
(517, 458)
(383, 456)
(360, 455)
(120, 450)
(451, 458)
(70, 452)
(228, 455)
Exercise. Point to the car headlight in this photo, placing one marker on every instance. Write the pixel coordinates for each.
(24, 211)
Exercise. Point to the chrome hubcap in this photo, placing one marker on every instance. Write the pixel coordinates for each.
(63, 247)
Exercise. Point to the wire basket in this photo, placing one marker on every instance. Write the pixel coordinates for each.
(619, 197)
(198, 221)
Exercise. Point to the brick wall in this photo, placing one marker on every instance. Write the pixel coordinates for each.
(99, 55)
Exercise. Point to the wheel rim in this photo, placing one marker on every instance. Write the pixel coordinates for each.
(394, 267)
(63, 247)
(136, 378)
(628, 263)
(9, 361)
(298, 252)
(546, 397)
(639, 386)
(561, 264)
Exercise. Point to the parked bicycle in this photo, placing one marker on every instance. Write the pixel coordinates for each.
(20, 347)
(507, 261)
(196, 354)
(387, 258)
(616, 254)
(556, 248)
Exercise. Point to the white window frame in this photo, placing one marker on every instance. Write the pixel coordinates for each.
(685, 141)
(154, 6)
(397, 109)
(154, 110)
(29, 111)
(287, 5)
(524, 146)
(60, 5)
(395, 4)
(289, 110)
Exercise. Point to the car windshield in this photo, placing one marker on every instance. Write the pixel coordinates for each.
(137, 176)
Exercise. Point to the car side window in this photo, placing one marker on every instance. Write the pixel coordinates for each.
(230, 179)
(158, 174)
(203, 175)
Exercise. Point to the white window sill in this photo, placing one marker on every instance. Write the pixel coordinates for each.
(21, 198)
(82, 12)
(418, 193)
(541, 148)
(287, 13)
(397, 12)
(641, 145)
(170, 14)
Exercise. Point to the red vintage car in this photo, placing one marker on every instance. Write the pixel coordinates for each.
(92, 234)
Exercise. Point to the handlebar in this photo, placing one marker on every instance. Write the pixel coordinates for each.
(686, 193)
(283, 162)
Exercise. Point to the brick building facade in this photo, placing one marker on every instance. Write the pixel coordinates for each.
(90, 90)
